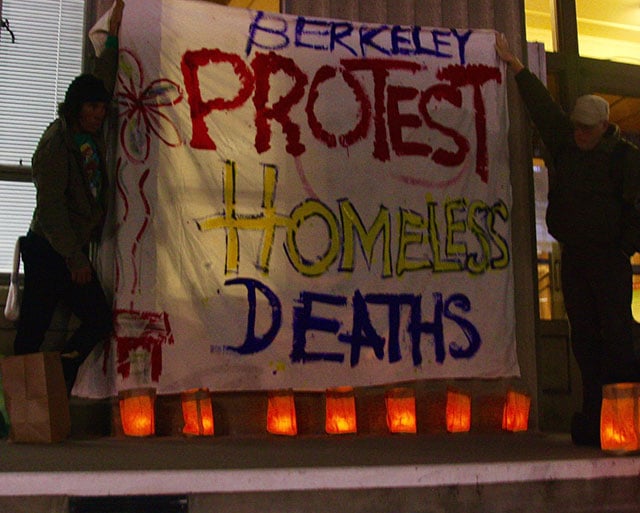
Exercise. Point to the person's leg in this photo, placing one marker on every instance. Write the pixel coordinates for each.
(44, 279)
(586, 344)
(612, 277)
(88, 303)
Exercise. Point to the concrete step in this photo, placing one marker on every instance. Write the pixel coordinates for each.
(490, 472)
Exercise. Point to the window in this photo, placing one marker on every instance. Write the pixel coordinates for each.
(609, 33)
(130, 504)
(35, 71)
(541, 22)
(550, 299)
(258, 5)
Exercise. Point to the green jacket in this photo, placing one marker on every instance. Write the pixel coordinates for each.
(66, 213)
(593, 195)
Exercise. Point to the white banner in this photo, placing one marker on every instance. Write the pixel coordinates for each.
(306, 203)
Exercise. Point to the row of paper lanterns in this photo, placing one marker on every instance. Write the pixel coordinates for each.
(137, 411)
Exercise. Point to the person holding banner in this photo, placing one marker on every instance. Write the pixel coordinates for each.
(68, 169)
(594, 194)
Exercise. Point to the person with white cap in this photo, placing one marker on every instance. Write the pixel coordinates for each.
(594, 195)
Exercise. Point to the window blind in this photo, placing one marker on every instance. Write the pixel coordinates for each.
(17, 200)
(35, 72)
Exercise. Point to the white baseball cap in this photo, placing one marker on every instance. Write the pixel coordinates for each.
(590, 110)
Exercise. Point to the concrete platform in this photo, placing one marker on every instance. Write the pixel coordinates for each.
(131, 466)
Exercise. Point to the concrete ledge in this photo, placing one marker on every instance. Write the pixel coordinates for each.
(195, 466)
(162, 482)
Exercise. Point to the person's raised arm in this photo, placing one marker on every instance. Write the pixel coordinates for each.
(105, 66)
(552, 123)
(116, 18)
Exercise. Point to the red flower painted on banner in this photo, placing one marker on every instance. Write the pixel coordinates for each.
(140, 108)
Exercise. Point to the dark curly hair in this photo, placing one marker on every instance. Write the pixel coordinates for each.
(84, 88)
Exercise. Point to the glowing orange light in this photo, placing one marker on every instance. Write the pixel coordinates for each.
(281, 413)
(401, 410)
(197, 412)
(458, 411)
(137, 411)
(340, 411)
(515, 415)
(620, 417)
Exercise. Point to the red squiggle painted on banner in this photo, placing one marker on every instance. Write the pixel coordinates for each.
(121, 190)
(143, 228)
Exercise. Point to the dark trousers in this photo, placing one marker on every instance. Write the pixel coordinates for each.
(597, 288)
(47, 281)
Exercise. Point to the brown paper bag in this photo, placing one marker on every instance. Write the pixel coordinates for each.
(36, 397)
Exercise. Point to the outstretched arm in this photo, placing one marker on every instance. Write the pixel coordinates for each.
(552, 123)
(105, 66)
(116, 18)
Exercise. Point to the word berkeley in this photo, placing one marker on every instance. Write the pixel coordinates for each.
(274, 32)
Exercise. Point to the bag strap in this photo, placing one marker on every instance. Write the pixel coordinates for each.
(15, 270)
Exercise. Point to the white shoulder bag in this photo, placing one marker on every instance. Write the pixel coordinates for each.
(12, 308)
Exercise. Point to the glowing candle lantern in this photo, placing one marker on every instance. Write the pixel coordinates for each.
(458, 411)
(281, 413)
(137, 411)
(515, 414)
(401, 410)
(340, 411)
(197, 412)
(620, 417)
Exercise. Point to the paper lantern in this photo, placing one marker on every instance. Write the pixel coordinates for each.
(197, 412)
(340, 411)
(620, 417)
(458, 411)
(281, 413)
(515, 414)
(137, 411)
(401, 410)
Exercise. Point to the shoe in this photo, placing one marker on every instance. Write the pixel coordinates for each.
(585, 431)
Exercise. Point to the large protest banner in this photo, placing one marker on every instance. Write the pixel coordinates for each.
(305, 203)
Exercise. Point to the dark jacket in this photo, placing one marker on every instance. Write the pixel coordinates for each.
(66, 212)
(593, 195)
